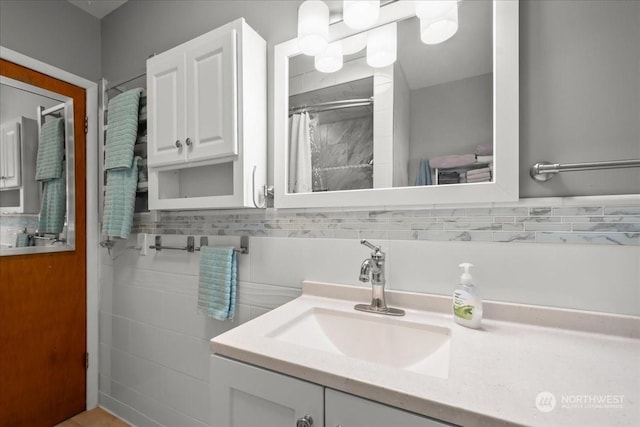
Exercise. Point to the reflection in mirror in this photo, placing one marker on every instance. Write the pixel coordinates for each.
(36, 169)
(425, 120)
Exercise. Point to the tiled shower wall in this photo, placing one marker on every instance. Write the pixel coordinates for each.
(154, 344)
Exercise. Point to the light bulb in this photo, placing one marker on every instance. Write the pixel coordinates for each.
(433, 10)
(360, 14)
(313, 27)
(330, 60)
(382, 46)
(440, 30)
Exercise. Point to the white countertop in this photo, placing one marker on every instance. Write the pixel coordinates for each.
(495, 373)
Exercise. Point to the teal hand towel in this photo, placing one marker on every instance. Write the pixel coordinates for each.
(217, 282)
(119, 201)
(122, 130)
(50, 150)
(424, 173)
(54, 206)
(23, 240)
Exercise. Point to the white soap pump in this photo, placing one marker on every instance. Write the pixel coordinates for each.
(467, 305)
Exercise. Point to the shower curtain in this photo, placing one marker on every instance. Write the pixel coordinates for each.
(300, 153)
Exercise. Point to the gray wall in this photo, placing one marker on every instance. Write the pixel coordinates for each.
(55, 32)
(450, 118)
(580, 88)
(580, 93)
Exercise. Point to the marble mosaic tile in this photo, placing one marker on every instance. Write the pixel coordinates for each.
(622, 210)
(581, 210)
(546, 226)
(594, 224)
(607, 226)
(589, 238)
(505, 236)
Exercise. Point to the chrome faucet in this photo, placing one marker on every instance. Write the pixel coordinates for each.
(372, 269)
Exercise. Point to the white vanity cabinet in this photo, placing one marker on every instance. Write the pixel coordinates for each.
(245, 395)
(207, 114)
(346, 410)
(19, 190)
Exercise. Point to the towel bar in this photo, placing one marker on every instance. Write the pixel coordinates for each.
(544, 171)
(204, 241)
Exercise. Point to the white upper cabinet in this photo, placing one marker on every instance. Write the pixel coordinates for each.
(211, 99)
(207, 123)
(193, 98)
(10, 156)
(19, 190)
(166, 117)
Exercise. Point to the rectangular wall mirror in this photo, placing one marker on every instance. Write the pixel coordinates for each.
(439, 125)
(37, 184)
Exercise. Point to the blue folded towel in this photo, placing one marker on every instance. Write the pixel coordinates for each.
(119, 201)
(424, 173)
(54, 206)
(122, 120)
(50, 150)
(217, 283)
(23, 240)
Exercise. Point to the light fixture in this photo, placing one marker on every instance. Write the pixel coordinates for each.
(438, 23)
(382, 46)
(313, 27)
(433, 10)
(330, 60)
(440, 29)
(360, 14)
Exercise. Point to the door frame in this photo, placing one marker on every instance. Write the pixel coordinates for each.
(92, 221)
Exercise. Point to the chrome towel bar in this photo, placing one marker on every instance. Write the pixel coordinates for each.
(204, 241)
(544, 171)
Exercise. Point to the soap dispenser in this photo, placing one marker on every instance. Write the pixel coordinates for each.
(467, 305)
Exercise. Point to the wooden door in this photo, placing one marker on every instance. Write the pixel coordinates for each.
(43, 305)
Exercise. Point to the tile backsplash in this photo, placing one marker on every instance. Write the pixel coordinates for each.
(524, 222)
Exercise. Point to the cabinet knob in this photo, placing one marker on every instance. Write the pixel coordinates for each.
(178, 144)
(188, 142)
(305, 421)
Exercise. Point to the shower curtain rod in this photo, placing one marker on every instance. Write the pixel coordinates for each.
(332, 105)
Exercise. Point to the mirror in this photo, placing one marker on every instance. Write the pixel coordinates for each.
(440, 125)
(37, 185)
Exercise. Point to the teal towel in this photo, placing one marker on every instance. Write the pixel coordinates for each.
(50, 150)
(23, 240)
(119, 201)
(54, 206)
(122, 120)
(217, 282)
(424, 173)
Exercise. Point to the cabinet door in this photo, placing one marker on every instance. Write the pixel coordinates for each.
(243, 395)
(346, 410)
(211, 98)
(166, 109)
(10, 169)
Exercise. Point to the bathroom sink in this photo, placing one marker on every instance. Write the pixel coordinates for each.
(391, 342)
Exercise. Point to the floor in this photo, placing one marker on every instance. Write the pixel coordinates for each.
(94, 418)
